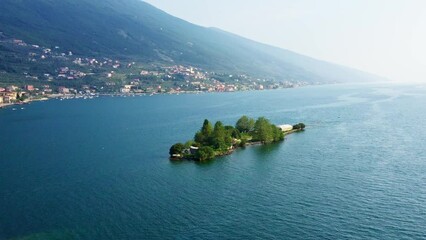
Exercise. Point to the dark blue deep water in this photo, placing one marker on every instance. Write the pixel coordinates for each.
(99, 169)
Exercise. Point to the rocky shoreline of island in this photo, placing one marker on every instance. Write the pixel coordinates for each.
(220, 140)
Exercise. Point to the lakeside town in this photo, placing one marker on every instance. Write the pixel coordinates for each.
(50, 72)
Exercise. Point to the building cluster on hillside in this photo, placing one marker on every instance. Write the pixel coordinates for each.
(12, 93)
(188, 71)
(7, 96)
(102, 62)
(70, 74)
(38, 53)
(115, 76)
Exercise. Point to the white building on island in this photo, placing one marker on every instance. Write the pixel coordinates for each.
(286, 127)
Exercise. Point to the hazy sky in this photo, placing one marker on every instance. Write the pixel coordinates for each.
(386, 37)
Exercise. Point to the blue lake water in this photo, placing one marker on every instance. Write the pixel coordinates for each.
(99, 169)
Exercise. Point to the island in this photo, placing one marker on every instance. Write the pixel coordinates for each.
(219, 140)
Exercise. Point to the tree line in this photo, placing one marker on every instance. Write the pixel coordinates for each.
(219, 139)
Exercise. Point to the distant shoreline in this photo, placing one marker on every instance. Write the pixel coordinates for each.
(93, 95)
(5, 105)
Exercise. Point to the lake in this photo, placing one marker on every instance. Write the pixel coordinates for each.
(99, 169)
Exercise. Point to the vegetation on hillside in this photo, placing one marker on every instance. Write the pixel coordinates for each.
(133, 30)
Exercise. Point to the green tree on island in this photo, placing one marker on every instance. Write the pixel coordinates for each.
(176, 149)
(191, 143)
(266, 132)
(233, 132)
(245, 124)
(205, 153)
(220, 139)
(278, 133)
(299, 126)
(263, 130)
(203, 136)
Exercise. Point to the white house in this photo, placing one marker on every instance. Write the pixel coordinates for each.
(286, 127)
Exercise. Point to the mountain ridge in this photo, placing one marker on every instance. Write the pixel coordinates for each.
(133, 29)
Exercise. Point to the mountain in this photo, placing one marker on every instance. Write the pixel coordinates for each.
(132, 29)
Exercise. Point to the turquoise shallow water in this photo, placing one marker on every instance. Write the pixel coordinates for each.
(98, 169)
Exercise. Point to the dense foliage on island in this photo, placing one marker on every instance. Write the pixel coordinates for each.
(218, 140)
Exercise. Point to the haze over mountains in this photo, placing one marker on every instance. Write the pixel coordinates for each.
(132, 29)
